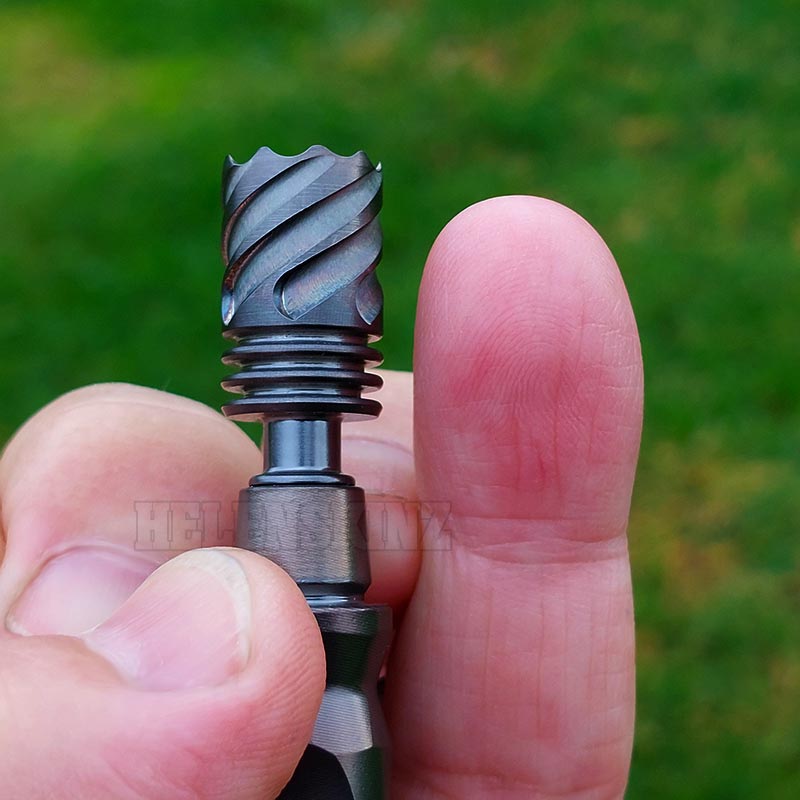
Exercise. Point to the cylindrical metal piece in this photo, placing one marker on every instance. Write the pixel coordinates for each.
(316, 533)
(300, 298)
(303, 449)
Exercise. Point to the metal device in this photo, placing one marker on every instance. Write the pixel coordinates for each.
(300, 298)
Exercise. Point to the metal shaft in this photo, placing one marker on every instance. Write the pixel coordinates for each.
(301, 300)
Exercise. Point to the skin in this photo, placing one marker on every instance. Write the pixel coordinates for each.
(128, 673)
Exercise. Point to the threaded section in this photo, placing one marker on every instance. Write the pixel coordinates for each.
(313, 372)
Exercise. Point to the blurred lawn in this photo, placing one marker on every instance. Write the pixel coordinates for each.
(675, 129)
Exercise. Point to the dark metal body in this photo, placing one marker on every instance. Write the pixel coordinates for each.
(301, 241)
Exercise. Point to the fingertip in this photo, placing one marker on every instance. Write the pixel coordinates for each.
(496, 254)
(517, 220)
(205, 683)
(221, 650)
(527, 363)
(208, 615)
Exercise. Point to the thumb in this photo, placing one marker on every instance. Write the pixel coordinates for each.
(205, 683)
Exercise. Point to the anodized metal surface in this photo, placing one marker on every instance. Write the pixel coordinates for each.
(300, 299)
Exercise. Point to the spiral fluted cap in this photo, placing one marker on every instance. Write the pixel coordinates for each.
(301, 240)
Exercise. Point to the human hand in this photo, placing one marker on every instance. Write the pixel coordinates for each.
(512, 673)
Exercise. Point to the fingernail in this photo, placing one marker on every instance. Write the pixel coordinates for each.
(188, 625)
(76, 590)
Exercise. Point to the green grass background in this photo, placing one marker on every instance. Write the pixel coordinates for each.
(673, 127)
